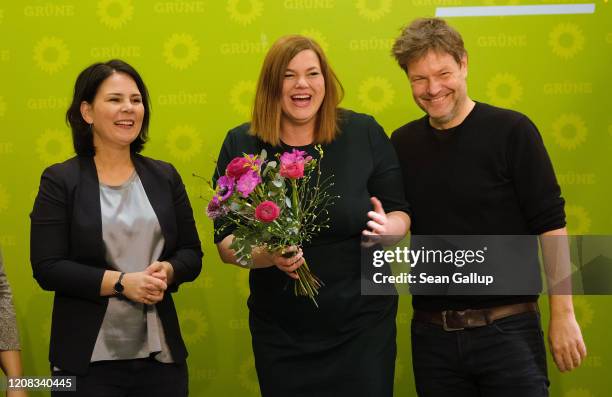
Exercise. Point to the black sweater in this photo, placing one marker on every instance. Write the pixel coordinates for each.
(490, 175)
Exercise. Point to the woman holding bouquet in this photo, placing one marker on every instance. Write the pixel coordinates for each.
(112, 235)
(346, 345)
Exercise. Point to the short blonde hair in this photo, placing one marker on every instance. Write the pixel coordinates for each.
(267, 111)
(423, 35)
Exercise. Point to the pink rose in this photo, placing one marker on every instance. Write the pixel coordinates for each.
(292, 170)
(237, 167)
(267, 211)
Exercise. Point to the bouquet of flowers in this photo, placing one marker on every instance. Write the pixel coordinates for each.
(274, 204)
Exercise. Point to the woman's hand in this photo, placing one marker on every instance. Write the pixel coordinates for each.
(385, 228)
(377, 225)
(287, 260)
(161, 270)
(141, 287)
(262, 258)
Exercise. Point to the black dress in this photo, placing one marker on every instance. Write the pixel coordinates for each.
(346, 347)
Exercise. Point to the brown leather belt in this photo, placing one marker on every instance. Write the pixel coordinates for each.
(455, 320)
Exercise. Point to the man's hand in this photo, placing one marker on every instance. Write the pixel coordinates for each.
(566, 343)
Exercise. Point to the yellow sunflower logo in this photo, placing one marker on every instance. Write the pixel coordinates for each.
(584, 311)
(247, 376)
(4, 199)
(53, 146)
(184, 142)
(241, 97)
(115, 13)
(376, 94)
(566, 40)
(373, 14)
(504, 90)
(194, 326)
(569, 131)
(2, 107)
(181, 51)
(316, 36)
(51, 54)
(238, 14)
(579, 221)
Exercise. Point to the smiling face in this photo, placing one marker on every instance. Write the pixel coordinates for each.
(439, 88)
(303, 89)
(116, 112)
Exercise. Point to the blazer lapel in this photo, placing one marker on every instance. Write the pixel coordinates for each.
(87, 219)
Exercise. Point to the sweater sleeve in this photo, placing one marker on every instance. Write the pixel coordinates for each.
(536, 186)
(386, 182)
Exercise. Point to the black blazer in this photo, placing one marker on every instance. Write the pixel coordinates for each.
(68, 256)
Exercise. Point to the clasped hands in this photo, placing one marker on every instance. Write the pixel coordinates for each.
(149, 285)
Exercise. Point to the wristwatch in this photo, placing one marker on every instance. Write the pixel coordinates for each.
(118, 288)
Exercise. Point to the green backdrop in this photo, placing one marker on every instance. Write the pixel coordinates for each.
(201, 59)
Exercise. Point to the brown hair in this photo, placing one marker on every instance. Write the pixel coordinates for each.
(423, 35)
(267, 111)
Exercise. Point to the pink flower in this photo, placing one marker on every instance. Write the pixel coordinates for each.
(292, 170)
(225, 187)
(237, 167)
(292, 164)
(267, 211)
(294, 156)
(248, 182)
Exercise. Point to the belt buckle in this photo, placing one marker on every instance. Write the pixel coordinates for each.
(445, 325)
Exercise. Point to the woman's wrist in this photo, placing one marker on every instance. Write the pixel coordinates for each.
(109, 280)
(260, 258)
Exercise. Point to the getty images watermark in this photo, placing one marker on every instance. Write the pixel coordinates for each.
(413, 257)
(487, 265)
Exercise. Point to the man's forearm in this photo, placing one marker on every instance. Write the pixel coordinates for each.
(557, 264)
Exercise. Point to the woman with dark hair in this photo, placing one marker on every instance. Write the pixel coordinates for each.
(346, 346)
(10, 356)
(113, 234)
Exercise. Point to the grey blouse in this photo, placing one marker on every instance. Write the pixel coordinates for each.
(9, 337)
(133, 240)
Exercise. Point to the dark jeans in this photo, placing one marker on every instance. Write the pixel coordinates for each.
(505, 358)
(129, 378)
